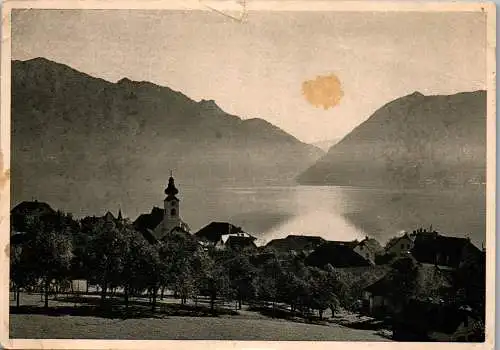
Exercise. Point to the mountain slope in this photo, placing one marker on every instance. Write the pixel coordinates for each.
(413, 141)
(84, 143)
(326, 144)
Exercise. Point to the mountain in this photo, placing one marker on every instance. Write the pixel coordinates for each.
(411, 142)
(326, 144)
(80, 142)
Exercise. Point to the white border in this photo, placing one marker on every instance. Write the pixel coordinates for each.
(234, 8)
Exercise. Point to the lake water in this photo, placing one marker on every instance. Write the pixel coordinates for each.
(338, 213)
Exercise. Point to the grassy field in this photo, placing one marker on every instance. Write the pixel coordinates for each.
(179, 328)
(246, 325)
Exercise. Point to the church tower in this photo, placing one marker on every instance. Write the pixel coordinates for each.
(171, 218)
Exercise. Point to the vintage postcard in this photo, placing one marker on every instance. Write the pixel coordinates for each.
(253, 174)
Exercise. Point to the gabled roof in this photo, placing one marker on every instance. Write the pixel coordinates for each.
(239, 242)
(337, 255)
(32, 208)
(26, 209)
(178, 230)
(372, 244)
(380, 287)
(349, 244)
(109, 216)
(431, 282)
(145, 222)
(296, 243)
(214, 231)
(428, 246)
(396, 241)
(225, 237)
(149, 236)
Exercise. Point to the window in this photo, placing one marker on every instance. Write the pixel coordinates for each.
(172, 203)
(173, 212)
(402, 246)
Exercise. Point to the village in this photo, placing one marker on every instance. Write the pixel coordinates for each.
(422, 285)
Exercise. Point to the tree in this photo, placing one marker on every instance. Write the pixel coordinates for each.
(184, 283)
(470, 282)
(49, 254)
(154, 271)
(214, 279)
(323, 289)
(269, 281)
(294, 287)
(108, 248)
(242, 276)
(176, 254)
(21, 275)
(133, 270)
(295, 290)
(403, 279)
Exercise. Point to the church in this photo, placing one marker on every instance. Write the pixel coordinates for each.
(161, 222)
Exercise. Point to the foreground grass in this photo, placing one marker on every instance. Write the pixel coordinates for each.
(179, 328)
(79, 318)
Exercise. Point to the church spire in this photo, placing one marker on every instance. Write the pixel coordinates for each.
(120, 217)
(171, 190)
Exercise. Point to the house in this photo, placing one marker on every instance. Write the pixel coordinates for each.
(33, 208)
(295, 244)
(376, 298)
(349, 244)
(28, 209)
(431, 321)
(368, 248)
(433, 248)
(146, 223)
(400, 246)
(108, 217)
(217, 234)
(241, 243)
(431, 282)
(337, 254)
(162, 222)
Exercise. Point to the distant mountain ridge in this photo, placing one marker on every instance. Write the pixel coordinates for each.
(413, 141)
(83, 142)
(326, 144)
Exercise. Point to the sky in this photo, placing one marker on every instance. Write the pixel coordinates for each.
(257, 68)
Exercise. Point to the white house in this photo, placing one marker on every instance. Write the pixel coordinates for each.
(368, 248)
(401, 246)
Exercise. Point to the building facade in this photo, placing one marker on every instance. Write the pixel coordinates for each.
(171, 213)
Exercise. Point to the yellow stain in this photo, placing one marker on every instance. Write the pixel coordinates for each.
(324, 91)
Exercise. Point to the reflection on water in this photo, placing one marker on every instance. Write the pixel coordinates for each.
(338, 213)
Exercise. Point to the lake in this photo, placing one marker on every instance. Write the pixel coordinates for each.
(338, 213)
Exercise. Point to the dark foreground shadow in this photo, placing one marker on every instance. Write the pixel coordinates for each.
(285, 314)
(85, 310)
(115, 308)
(371, 324)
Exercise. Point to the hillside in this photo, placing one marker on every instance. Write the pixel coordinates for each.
(326, 144)
(413, 141)
(83, 142)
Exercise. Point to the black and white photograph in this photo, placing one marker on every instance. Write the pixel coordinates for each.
(247, 172)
